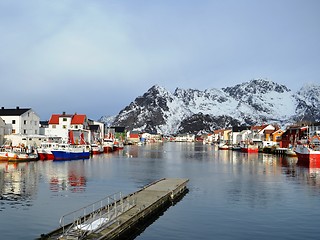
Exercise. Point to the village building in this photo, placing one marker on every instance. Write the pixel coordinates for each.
(235, 132)
(185, 138)
(223, 136)
(20, 120)
(60, 125)
(19, 126)
(292, 135)
(97, 131)
(276, 137)
(133, 137)
(243, 136)
(314, 129)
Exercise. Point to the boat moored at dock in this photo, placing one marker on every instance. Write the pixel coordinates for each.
(18, 154)
(67, 151)
(45, 150)
(249, 148)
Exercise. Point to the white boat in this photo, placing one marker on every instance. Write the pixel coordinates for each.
(96, 149)
(223, 147)
(18, 154)
(108, 145)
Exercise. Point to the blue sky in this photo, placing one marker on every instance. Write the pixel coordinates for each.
(95, 57)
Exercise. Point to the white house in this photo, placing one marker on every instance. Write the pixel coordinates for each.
(185, 138)
(20, 120)
(60, 125)
(314, 129)
(243, 136)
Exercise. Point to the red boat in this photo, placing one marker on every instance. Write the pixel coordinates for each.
(308, 155)
(44, 151)
(249, 148)
(117, 145)
(107, 145)
(96, 149)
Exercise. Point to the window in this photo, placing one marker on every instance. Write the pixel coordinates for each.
(64, 119)
(64, 126)
(24, 131)
(13, 121)
(25, 122)
(13, 131)
(35, 132)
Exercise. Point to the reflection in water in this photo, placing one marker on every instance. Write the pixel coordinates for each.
(18, 184)
(252, 190)
(65, 175)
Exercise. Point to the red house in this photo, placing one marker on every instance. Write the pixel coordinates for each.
(292, 135)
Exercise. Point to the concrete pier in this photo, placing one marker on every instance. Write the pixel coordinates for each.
(117, 219)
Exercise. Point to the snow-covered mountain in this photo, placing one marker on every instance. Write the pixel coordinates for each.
(190, 110)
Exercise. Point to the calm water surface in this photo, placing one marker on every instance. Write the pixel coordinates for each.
(232, 195)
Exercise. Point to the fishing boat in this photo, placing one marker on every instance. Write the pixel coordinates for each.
(108, 145)
(66, 151)
(96, 148)
(308, 152)
(70, 150)
(223, 147)
(18, 154)
(44, 151)
(236, 148)
(117, 145)
(249, 148)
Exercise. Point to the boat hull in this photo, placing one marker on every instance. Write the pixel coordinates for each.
(45, 156)
(107, 149)
(68, 155)
(249, 150)
(308, 157)
(97, 149)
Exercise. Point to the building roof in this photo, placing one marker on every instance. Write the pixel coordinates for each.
(54, 119)
(13, 111)
(78, 119)
(75, 119)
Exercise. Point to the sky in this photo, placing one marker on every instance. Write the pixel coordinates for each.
(95, 57)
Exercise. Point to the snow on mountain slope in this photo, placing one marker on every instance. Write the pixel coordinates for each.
(211, 101)
(266, 98)
(308, 103)
(254, 102)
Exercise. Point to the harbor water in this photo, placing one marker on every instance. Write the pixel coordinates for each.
(232, 195)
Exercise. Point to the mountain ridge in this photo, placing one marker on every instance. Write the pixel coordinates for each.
(194, 111)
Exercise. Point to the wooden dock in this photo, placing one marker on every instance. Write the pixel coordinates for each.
(117, 216)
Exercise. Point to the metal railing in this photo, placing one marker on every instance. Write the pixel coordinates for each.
(93, 217)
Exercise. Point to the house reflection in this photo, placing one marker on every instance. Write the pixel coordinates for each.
(18, 183)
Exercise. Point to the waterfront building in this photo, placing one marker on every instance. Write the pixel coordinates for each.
(20, 120)
(61, 124)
